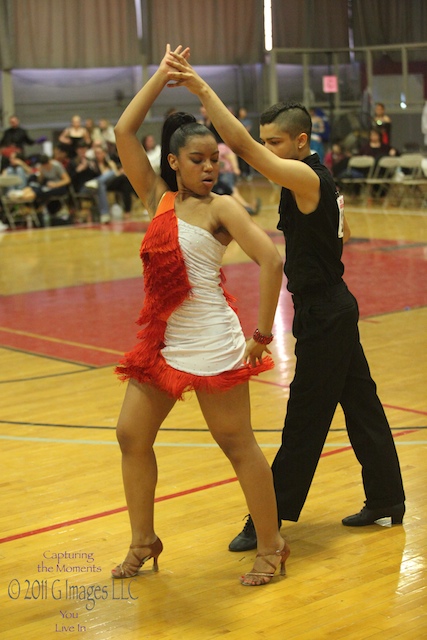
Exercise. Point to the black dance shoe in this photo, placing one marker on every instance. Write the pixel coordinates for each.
(370, 516)
(246, 540)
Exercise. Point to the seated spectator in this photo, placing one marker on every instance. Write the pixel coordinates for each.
(336, 159)
(104, 135)
(109, 177)
(153, 151)
(228, 172)
(60, 153)
(82, 169)
(51, 180)
(72, 135)
(343, 171)
(18, 167)
(90, 127)
(376, 147)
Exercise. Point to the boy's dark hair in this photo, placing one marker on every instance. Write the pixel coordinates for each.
(291, 117)
(177, 128)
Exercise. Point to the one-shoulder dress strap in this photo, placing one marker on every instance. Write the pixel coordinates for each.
(166, 203)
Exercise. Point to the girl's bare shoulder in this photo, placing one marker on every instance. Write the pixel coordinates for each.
(224, 202)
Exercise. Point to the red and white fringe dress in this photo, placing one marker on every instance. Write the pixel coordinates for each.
(191, 337)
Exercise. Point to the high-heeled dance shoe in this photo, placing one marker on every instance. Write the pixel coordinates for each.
(130, 568)
(370, 516)
(257, 578)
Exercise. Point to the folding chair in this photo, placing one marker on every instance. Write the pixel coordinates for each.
(409, 188)
(77, 199)
(62, 212)
(13, 208)
(384, 173)
(363, 167)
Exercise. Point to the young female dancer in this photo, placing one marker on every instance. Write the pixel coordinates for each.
(191, 337)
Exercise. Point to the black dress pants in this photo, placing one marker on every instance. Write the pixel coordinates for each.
(331, 369)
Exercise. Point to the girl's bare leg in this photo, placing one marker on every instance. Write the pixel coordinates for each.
(228, 417)
(143, 411)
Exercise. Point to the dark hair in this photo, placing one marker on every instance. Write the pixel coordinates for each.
(291, 117)
(44, 159)
(177, 129)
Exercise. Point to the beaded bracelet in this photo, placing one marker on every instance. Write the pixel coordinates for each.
(261, 339)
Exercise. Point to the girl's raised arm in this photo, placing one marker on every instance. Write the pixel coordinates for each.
(149, 186)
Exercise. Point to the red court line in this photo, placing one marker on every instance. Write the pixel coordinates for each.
(103, 514)
(178, 494)
(325, 454)
(391, 406)
(387, 406)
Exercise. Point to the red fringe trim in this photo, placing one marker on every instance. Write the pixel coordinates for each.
(175, 383)
(166, 283)
(166, 286)
(231, 300)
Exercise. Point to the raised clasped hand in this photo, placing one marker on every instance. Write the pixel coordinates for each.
(169, 57)
(254, 351)
(180, 72)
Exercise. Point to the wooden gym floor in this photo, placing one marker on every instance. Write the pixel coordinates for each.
(69, 297)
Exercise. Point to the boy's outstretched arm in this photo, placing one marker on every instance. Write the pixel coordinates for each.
(292, 174)
(234, 134)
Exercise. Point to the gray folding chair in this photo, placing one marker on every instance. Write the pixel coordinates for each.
(409, 187)
(78, 200)
(12, 208)
(384, 173)
(362, 167)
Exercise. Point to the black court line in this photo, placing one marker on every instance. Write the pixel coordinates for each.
(170, 429)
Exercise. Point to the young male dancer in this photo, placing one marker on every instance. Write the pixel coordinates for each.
(331, 367)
